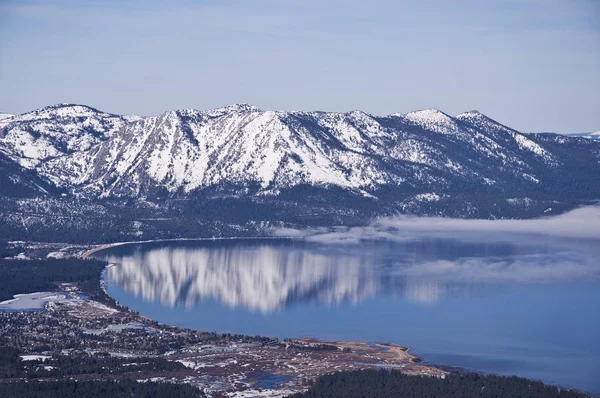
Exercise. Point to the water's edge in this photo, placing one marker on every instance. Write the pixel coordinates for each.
(91, 252)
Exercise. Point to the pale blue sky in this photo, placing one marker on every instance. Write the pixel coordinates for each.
(531, 64)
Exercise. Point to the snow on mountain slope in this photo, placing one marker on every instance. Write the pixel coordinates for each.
(264, 152)
(55, 131)
(5, 116)
(434, 120)
(482, 122)
(592, 136)
(186, 150)
(595, 135)
(474, 132)
(19, 181)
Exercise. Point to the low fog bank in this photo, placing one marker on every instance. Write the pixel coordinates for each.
(535, 268)
(582, 223)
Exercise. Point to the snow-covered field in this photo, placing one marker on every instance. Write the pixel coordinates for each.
(32, 301)
(35, 357)
(117, 328)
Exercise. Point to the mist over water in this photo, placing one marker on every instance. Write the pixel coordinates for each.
(582, 223)
(268, 276)
(510, 297)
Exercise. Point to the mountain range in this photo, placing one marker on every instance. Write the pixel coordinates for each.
(239, 165)
(594, 135)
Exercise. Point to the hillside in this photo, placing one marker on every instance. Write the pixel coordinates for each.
(247, 168)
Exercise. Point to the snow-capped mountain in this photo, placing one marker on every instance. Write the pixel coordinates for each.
(181, 151)
(593, 136)
(425, 162)
(55, 131)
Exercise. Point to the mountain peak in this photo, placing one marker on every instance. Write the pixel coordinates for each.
(359, 114)
(479, 119)
(62, 110)
(427, 110)
(66, 105)
(427, 114)
(472, 114)
(433, 119)
(234, 108)
(242, 107)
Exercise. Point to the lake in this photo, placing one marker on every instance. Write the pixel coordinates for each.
(527, 306)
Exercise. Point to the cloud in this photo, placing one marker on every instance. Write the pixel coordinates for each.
(423, 264)
(582, 223)
(554, 249)
(532, 268)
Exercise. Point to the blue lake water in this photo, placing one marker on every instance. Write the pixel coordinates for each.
(530, 308)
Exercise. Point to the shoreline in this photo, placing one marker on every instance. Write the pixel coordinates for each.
(388, 351)
(224, 365)
(311, 342)
(85, 255)
(302, 340)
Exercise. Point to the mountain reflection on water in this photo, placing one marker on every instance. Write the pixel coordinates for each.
(269, 275)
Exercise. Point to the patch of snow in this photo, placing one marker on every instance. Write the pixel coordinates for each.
(428, 197)
(20, 256)
(593, 136)
(101, 306)
(531, 178)
(115, 328)
(33, 357)
(31, 302)
(253, 393)
(433, 119)
(58, 254)
(520, 201)
(473, 114)
(192, 364)
(527, 144)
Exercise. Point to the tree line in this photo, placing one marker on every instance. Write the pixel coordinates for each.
(30, 276)
(394, 384)
(98, 388)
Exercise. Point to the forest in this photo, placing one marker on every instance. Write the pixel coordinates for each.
(98, 365)
(98, 388)
(30, 276)
(80, 363)
(394, 384)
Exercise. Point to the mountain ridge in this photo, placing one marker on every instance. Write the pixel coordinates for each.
(350, 165)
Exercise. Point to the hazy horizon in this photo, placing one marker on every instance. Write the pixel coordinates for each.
(530, 64)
